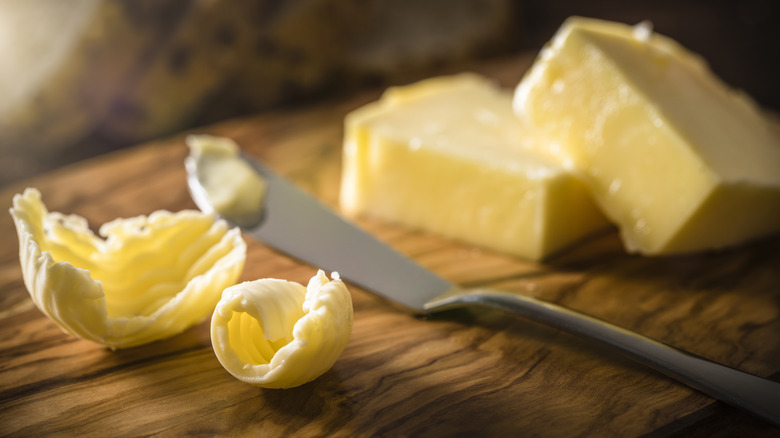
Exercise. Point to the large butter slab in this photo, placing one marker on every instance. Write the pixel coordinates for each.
(676, 158)
(448, 155)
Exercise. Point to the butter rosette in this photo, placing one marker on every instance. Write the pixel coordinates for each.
(143, 279)
(280, 334)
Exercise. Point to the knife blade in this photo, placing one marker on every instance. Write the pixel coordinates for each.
(299, 225)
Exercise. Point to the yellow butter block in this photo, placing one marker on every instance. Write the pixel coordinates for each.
(448, 155)
(677, 159)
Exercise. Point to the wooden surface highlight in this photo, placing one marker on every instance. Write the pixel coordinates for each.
(456, 374)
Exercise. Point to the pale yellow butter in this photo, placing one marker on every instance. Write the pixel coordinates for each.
(147, 278)
(448, 155)
(280, 334)
(233, 188)
(675, 158)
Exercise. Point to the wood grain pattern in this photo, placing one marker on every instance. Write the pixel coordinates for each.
(456, 374)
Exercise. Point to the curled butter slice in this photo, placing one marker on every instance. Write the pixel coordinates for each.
(147, 279)
(279, 334)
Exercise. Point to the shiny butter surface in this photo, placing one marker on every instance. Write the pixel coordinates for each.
(280, 334)
(677, 159)
(142, 279)
(231, 186)
(448, 155)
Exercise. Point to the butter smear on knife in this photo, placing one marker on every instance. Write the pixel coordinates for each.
(232, 187)
(280, 334)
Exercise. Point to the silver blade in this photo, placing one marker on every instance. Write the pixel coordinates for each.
(297, 224)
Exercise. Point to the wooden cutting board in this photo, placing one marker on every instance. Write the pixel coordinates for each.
(460, 373)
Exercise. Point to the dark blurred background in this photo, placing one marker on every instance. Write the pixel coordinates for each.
(96, 75)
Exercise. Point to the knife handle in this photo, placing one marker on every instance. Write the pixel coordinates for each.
(737, 388)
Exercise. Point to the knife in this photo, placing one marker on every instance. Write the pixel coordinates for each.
(298, 225)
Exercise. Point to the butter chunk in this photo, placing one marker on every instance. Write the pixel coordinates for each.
(275, 333)
(677, 159)
(143, 279)
(448, 155)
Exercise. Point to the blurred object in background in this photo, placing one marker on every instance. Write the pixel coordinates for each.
(63, 63)
(84, 77)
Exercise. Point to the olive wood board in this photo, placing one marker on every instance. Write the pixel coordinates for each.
(459, 373)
